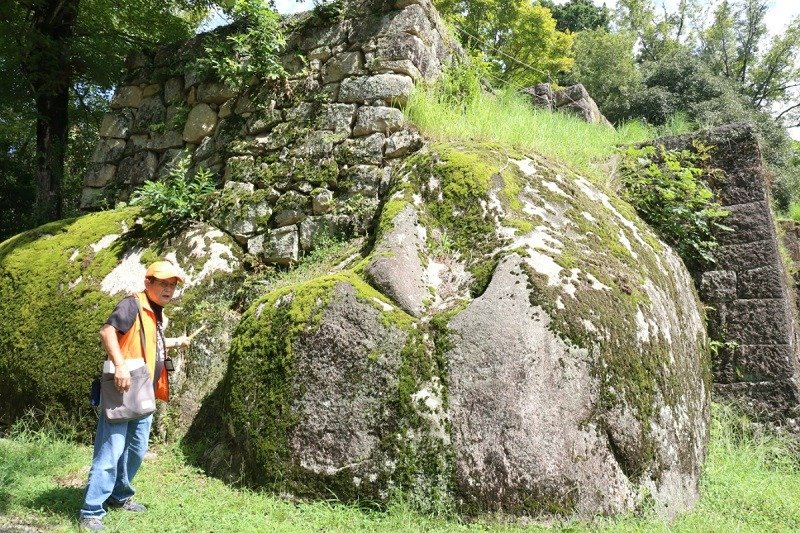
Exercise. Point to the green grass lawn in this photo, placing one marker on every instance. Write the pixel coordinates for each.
(751, 482)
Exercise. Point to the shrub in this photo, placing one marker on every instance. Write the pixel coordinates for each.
(238, 58)
(668, 189)
(179, 197)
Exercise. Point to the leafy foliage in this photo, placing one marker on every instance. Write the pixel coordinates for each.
(667, 189)
(578, 15)
(237, 58)
(59, 63)
(604, 63)
(518, 39)
(180, 197)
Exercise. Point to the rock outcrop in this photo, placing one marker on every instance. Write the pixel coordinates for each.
(574, 100)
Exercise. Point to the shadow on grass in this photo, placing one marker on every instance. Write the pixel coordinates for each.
(64, 501)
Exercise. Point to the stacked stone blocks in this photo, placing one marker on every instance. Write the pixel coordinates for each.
(308, 155)
(748, 293)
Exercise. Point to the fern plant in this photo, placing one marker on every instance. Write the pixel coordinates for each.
(180, 197)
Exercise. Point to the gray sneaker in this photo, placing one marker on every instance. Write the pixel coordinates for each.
(127, 505)
(91, 524)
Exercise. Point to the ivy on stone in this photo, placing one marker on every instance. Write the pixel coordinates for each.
(670, 191)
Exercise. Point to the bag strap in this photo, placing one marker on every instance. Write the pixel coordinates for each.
(141, 328)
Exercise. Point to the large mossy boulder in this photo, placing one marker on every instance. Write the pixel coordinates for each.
(321, 397)
(59, 283)
(555, 361)
(579, 381)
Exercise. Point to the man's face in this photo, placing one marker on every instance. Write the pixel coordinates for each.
(160, 291)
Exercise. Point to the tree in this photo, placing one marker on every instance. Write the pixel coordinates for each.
(605, 65)
(578, 15)
(518, 38)
(54, 51)
(733, 46)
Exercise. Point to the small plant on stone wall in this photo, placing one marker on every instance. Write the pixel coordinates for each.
(179, 196)
(670, 191)
(251, 53)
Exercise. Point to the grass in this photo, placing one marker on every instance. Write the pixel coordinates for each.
(793, 213)
(751, 482)
(508, 118)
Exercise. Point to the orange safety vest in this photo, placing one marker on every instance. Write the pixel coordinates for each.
(131, 345)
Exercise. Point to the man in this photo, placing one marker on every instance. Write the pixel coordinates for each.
(120, 447)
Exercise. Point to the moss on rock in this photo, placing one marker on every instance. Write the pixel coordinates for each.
(54, 285)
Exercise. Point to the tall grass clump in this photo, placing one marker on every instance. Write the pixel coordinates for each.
(456, 107)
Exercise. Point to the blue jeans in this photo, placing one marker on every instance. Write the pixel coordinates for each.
(118, 452)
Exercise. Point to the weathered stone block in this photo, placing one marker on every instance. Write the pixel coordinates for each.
(214, 93)
(282, 246)
(312, 229)
(718, 286)
(370, 119)
(92, 198)
(330, 92)
(201, 122)
(363, 150)
(281, 135)
(393, 88)
(160, 142)
(173, 91)
(321, 202)
(263, 121)
(170, 159)
(138, 168)
(150, 112)
(344, 65)
(763, 362)
(746, 256)
(244, 104)
(287, 217)
(749, 222)
(379, 65)
(99, 175)
(127, 96)
(762, 282)
(207, 148)
(151, 90)
(767, 400)
(322, 54)
(226, 109)
(336, 117)
(758, 322)
(239, 187)
(108, 150)
(117, 125)
(316, 145)
(402, 143)
(136, 143)
(366, 180)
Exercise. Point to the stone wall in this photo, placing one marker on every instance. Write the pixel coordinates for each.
(748, 292)
(298, 157)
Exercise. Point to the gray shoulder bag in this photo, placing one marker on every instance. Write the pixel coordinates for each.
(140, 400)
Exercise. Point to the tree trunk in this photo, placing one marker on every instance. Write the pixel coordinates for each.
(51, 142)
(50, 74)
